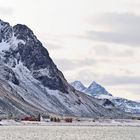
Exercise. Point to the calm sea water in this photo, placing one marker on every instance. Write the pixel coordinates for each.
(69, 133)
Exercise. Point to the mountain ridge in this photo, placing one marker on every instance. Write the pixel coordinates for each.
(94, 89)
(35, 83)
(107, 99)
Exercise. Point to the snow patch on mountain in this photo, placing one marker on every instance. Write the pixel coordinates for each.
(4, 46)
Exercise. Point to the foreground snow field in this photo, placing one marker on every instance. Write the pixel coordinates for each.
(69, 133)
(83, 122)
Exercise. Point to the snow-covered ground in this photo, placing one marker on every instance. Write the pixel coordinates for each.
(69, 133)
(89, 122)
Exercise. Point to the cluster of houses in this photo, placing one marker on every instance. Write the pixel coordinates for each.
(47, 118)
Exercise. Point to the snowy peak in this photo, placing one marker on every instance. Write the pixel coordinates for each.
(5, 31)
(19, 45)
(24, 33)
(3, 24)
(93, 85)
(78, 86)
(8, 40)
(96, 90)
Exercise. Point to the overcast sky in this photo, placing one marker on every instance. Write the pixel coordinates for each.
(88, 39)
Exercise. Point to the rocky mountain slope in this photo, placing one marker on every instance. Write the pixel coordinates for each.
(30, 82)
(106, 99)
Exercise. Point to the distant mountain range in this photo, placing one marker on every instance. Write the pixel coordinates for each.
(31, 84)
(94, 89)
(107, 99)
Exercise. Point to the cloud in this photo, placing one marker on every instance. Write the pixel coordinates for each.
(89, 75)
(86, 76)
(119, 80)
(118, 21)
(51, 41)
(68, 64)
(119, 28)
(52, 46)
(115, 37)
(120, 86)
(6, 11)
(134, 90)
(112, 51)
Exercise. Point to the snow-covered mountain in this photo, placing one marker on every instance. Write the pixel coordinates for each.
(30, 82)
(78, 86)
(106, 99)
(94, 89)
(127, 105)
(97, 90)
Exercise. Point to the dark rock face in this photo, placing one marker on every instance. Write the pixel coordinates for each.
(32, 54)
(108, 103)
(35, 57)
(8, 74)
(55, 83)
(5, 31)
